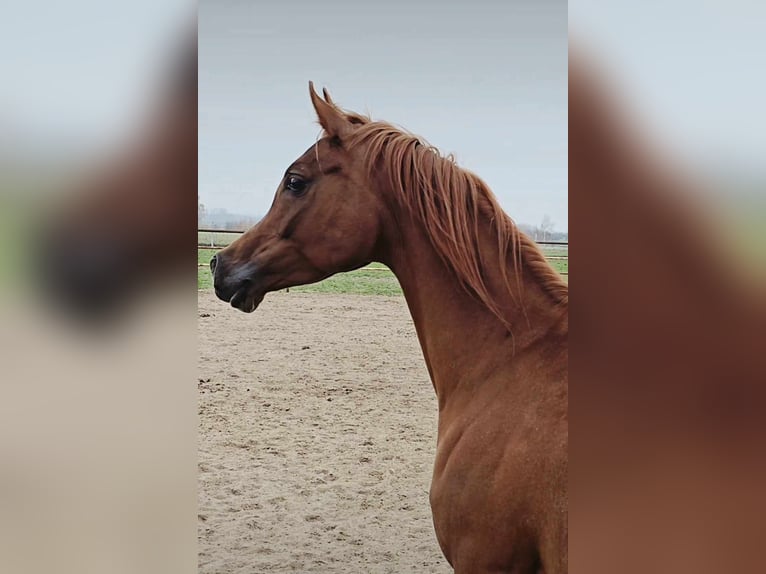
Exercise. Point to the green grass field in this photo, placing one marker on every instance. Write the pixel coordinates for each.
(380, 281)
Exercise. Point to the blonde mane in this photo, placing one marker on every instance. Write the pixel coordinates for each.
(451, 204)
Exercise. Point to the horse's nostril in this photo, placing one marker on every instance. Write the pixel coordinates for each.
(213, 263)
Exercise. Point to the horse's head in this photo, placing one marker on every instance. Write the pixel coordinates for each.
(130, 222)
(325, 218)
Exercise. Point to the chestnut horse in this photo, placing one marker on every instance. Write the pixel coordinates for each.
(132, 222)
(490, 313)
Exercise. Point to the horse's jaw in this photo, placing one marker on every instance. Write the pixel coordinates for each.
(247, 299)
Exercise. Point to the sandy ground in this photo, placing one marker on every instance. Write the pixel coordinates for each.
(317, 437)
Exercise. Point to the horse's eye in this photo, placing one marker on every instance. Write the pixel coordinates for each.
(295, 184)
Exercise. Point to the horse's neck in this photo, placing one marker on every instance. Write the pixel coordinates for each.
(463, 342)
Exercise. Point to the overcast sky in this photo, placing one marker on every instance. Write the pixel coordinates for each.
(485, 80)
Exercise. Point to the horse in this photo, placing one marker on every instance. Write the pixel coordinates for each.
(490, 313)
(129, 223)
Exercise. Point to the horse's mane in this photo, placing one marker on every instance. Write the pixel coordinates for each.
(449, 201)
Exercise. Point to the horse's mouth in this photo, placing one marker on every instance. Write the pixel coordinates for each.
(247, 298)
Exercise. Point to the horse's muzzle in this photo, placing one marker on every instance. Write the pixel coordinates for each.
(236, 284)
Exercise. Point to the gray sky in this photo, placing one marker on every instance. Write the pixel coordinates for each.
(485, 80)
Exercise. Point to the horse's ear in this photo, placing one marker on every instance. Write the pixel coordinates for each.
(330, 117)
(327, 97)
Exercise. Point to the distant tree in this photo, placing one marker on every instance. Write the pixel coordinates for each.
(201, 213)
(546, 227)
(242, 223)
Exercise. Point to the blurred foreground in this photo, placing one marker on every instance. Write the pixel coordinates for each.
(98, 172)
(668, 369)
